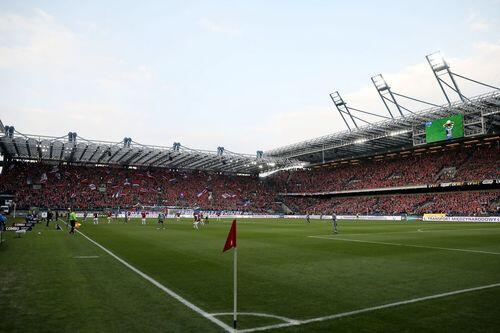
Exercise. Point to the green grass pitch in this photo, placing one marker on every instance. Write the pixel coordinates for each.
(51, 281)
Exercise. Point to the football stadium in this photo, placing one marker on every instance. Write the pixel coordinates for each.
(390, 223)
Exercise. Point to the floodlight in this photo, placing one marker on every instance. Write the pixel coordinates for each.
(380, 83)
(437, 61)
(359, 141)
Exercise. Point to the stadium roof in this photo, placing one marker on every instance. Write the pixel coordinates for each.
(74, 149)
(481, 116)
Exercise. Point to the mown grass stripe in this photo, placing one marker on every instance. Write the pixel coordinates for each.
(406, 245)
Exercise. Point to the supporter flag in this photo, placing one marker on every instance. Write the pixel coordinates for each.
(202, 192)
(43, 179)
(231, 243)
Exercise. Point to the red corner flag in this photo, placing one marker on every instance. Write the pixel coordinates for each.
(231, 237)
(230, 243)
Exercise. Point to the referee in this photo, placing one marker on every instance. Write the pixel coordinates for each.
(72, 221)
(50, 215)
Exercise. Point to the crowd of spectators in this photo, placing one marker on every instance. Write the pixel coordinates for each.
(450, 203)
(92, 187)
(62, 186)
(469, 164)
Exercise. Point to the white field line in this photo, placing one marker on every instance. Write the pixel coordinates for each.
(257, 314)
(406, 245)
(373, 308)
(171, 293)
(412, 232)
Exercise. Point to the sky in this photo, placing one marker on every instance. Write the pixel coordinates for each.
(245, 75)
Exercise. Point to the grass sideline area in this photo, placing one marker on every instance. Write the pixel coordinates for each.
(53, 281)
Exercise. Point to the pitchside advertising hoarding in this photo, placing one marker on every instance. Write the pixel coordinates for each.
(444, 218)
(426, 217)
(20, 226)
(444, 129)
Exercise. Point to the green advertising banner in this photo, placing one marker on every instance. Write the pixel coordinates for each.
(442, 129)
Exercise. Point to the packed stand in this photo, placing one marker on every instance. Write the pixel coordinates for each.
(459, 164)
(85, 187)
(451, 203)
(42, 185)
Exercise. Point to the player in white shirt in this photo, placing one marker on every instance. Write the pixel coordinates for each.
(196, 221)
(334, 223)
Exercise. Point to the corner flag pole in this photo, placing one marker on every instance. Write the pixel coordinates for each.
(231, 243)
(235, 286)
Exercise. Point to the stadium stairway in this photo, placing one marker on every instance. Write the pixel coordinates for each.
(448, 173)
(286, 209)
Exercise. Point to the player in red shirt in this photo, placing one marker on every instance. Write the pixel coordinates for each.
(143, 215)
(110, 215)
(96, 218)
